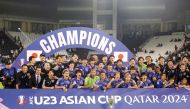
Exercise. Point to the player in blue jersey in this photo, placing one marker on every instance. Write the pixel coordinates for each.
(161, 83)
(78, 81)
(8, 75)
(183, 83)
(150, 73)
(129, 82)
(110, 72)
(100, 68)
(102, 83)
(116, 81)
(64, 82)
(84, 67)
(71, 69)
(134, 74)
(144, 82)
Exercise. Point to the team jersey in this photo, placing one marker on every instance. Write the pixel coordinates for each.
(78, 82)
(102, 83)
(91, 81)
(86, 69)
(110, 74)
(63, 82)
(115, 83)
(159, 84)
(127, 84)
(146, 83)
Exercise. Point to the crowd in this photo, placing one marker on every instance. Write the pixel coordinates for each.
(96, 74)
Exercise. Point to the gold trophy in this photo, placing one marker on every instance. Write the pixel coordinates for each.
(111, 103)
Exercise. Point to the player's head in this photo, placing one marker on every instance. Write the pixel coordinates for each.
(117, 75)
(84, 61)
(111, 58)
(182, 67)
(42, 57)
(66, 74)
(8, 64)
(184, 60)
(47, 66)
(149, 68)
(132, 69)
(161, 60)
(132, 62)
(163, 76)
(140, 60)
(100, 65)
(184, 81)
(93, 72)
(58, 59)
(109, 67)
(24, 68)
(119, 62)
(51, 73)
(38, 70)
(75, 58)
(71, 64)
(102, 75)
(143, 77)
(78, 73)
(127, 77)
(32, 59)
(170, 63)
(148, 59)
(104, 59)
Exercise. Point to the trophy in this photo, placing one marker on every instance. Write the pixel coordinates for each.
(21, 99)
(111, 103)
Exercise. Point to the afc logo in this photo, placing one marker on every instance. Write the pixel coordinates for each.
(21, 100)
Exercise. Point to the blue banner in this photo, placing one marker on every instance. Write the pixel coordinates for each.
(88, 99)
(74, 37)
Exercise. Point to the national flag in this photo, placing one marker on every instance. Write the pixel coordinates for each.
(35, 53)
(121, 55)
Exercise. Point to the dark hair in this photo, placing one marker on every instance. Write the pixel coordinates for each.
(24, 65)
(31, 57)
(140, 58)
(161, 57)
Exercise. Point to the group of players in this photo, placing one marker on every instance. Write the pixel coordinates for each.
(96, 74)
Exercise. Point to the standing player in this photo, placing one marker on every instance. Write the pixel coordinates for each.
(42, 61)
(84, 67)
(31, 65)
(8, 75)
(22, 78)
(110, 72)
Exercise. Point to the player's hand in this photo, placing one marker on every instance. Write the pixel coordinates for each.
(65, 89)
(112, 79)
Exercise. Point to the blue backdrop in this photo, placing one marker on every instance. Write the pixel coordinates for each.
(80, 99)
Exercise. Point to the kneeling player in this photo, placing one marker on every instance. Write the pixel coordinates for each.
(102, 83)
(64, 82)
(115, 82)
(128, 83)
(78, 81)
(145, 83)
(50, 81)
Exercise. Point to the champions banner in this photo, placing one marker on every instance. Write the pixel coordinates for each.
(88, 99)
(74, 37)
